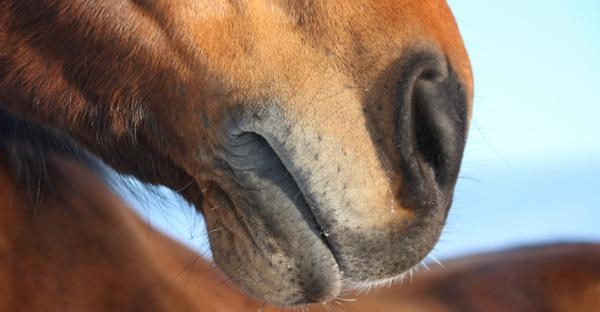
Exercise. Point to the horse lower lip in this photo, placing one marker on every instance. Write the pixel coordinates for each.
(274, 213)
(315, 293)
(316, 278)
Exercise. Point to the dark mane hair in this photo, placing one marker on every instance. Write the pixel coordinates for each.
(29, 152)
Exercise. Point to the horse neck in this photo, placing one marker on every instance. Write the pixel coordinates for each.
(82, 244)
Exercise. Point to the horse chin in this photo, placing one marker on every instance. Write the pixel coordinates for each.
(281, 260)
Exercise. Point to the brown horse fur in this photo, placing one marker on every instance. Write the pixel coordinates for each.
(77, 247)
(320, 140)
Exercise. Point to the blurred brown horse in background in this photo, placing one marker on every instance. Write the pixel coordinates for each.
(321, 142)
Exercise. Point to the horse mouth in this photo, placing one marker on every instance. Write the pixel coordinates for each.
(288, 245)
(266, 236)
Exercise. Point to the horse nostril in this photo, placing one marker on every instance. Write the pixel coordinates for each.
(432, 123)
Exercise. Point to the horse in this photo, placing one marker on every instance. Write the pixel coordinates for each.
(68, 243)
(320, 141)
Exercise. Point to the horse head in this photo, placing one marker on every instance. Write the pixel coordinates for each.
(320, 140)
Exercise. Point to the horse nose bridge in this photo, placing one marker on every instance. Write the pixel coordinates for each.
(307, 109)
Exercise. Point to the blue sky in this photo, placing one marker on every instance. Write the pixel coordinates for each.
(537, 79)
(532, 165)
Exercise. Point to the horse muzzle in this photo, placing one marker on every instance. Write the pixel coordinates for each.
(306, 208)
